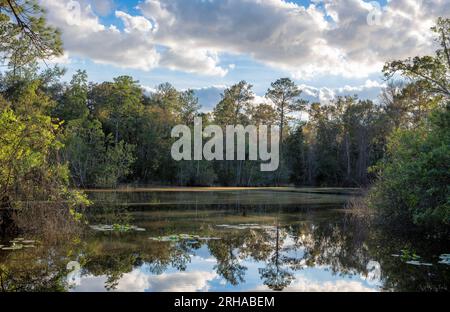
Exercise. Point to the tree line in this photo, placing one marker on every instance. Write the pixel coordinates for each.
(114, 132)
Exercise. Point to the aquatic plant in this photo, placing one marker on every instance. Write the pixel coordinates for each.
(18, 244)
(182, 237)
(117, 228)
(410, 257)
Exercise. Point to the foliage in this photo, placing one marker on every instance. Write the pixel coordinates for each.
(30, 170)
(34, 183)
(95, 160)
(415, 177)
(28, 143)
(24, 34)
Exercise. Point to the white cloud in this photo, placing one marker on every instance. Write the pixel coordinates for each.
(140, 281)
(135, 23)
(137, 281)
(302, 284)
(369, 90)
(328, 37)
(305, 285)
(193, 61)
(61, 60)
(299, 39)
(84, 36)
(134, 47)
(103, 7)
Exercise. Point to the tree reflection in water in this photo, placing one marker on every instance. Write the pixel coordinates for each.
(281, 246)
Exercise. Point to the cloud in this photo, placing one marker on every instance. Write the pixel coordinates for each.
(193, 61)
(103, 7)
(84, 36)
(135, 23)
(327, 37)
(306, 285)
(369, 90)
(137, 281)
(133, 47)
(303, 284)
(61, 60)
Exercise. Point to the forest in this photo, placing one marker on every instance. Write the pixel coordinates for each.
(59, 137)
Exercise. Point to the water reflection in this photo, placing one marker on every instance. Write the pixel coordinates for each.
(261, 247)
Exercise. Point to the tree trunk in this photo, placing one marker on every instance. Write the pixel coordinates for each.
(347, 151)
(280, 169)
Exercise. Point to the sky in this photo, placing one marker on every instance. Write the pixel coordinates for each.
(328, 47)
(200, 276)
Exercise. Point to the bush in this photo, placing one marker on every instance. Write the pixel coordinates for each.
(413, 185)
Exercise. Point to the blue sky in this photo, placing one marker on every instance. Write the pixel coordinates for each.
(329, 47)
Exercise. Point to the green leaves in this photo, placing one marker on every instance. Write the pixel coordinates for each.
(25, 146)
(415, 174)
(25, 35)
(414, 181)
(94, 158)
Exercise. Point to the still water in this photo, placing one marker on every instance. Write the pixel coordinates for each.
(227, 240)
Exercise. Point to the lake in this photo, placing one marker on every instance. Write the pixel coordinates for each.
(220, 239)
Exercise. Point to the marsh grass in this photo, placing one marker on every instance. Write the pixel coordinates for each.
(358, 204)
(48, 221)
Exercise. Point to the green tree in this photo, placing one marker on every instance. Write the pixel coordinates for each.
(189, 107)
(235, 102)
(296, 156)
(30, 146)
(73, 103)
(414, 177)
(94, 158)
(30, 167)
(233, 110)
(24, 34)
(285, 95)
(118, 105)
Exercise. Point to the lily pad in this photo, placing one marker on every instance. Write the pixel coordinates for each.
(409, 255)
(13, 247)
(182, 237)
(117, 228)
(102, 228)
(161, 239)
(244, 226)
(418, 263)
(209, 238)
(18, 244)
